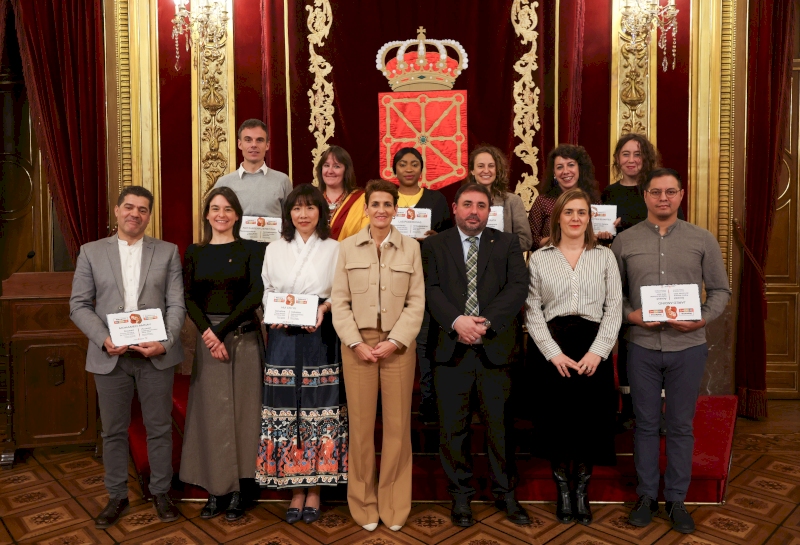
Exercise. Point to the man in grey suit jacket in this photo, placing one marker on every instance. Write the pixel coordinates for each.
(126, 272)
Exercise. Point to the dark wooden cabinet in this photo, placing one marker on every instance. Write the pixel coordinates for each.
(47, 396)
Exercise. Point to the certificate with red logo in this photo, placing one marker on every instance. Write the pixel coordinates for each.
(671, 302)
(139, 326)
(260, 228)
(413, 222)
(293, 309)
(495, 218)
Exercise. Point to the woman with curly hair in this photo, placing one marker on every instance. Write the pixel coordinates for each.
(568, 166)
(488, 166)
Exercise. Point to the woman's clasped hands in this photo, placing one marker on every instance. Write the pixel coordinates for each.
(214, 345)
(587, 365)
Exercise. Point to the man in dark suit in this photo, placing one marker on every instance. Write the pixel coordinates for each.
(122, 273)
(476, 283)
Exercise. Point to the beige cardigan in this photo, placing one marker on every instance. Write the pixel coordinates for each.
(515, 218)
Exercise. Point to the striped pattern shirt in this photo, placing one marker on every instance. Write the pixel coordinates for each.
(592, 291)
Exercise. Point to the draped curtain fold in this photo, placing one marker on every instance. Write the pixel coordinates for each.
(571, 26)
(3, 21)
(61, 44)
(771, 38)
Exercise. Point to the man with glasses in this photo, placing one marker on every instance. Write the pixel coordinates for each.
(665, 250)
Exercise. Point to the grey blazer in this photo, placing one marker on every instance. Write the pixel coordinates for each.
(97, 290)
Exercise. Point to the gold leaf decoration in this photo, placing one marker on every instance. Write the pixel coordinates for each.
(213, 126)
(320, 96)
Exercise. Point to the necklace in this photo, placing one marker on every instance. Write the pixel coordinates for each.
(333, 205)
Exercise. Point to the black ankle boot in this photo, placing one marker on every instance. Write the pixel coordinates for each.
(583, 512)
(563, 502)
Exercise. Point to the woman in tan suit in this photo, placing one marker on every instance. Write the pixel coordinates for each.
(378, 300)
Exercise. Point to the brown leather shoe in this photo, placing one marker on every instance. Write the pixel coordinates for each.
(165, 509)
(112, 512)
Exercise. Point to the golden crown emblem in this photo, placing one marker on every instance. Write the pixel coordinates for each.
(421, 70)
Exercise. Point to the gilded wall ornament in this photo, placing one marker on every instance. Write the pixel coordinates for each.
(320, 96)
(213, 129)
(633, 87)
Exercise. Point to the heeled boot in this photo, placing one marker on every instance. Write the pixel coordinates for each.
(563, 501)
(583, 512)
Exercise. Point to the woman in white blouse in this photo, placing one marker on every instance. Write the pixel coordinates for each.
(303, 423)
(573, 313)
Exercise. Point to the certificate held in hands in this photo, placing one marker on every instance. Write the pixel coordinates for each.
(413, 222)
(603, 218)
(671, 302)
(291, 309)
(139, 326)
(260, 229)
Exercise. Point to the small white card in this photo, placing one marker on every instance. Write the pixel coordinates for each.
(291, 309)
(603, 218)
(260, 228)
(671, 302)
(413, 222)
(139, 326)
(495, 218)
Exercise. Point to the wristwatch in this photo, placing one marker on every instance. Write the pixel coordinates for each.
(487, 323)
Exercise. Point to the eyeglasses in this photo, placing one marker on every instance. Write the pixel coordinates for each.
(656, 193)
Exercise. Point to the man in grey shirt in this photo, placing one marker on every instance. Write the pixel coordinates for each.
(260, 189)
(665, 250)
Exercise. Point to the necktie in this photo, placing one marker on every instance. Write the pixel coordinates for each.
(471, 308)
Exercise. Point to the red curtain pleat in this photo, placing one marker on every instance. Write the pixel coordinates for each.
(571, 25)
(61, 44)
(3, 21)
(771, 38)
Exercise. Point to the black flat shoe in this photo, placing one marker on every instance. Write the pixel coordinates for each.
(514, 511)
(461, 514)
(236, 507)
(642, 513)
(215, 505)
(681, 518)
(165, 509)
(114, 509)
(293, 514)
(310, 514)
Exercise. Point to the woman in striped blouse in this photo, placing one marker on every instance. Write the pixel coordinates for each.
(573, 313)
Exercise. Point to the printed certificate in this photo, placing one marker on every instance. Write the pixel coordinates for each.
(139, 326)
(260, 229)
(291, 309)
(495, 218)
(413, 222)
(603, 218)
(671, 302)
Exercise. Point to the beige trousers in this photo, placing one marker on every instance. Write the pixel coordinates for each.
(394, 376)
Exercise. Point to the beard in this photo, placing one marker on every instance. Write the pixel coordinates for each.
(471, 231)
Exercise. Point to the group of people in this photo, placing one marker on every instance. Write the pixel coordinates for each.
(298, 412)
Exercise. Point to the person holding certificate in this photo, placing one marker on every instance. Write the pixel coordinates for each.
(573, 313)
(488, 166)
(666, 251)
(304, 425)
(222, 281)
(568, 166)
(345, 201)
(407, 165)
(378, 300)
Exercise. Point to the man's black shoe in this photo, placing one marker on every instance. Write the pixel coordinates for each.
(461, 514)
(643, 511)
(681, 519)
(215, 505)
(165, 509)
(514, 511)
(112, 512)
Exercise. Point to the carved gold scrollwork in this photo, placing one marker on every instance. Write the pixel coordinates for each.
(633, 88)
(526, 98)
(320, 96)
(213, 124)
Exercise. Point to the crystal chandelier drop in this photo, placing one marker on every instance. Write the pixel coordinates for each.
(640, 17)
(204, 22)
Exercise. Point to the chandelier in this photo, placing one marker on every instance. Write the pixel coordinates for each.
(639, 17)
(204, 22)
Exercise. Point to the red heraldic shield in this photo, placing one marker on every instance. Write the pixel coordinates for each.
(433, 122)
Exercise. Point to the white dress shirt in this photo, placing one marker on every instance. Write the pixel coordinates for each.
(264, 169)
(130, 257)
(300, 267)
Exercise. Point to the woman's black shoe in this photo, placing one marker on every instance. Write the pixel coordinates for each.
(214, 506)
(236, 507)
(293, 514)
(310, 514)
(583, 512)
(563, 502)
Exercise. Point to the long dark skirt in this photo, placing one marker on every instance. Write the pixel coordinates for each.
(303, 422)
(575, 415)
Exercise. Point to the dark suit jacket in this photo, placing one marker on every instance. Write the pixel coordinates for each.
(502, 288)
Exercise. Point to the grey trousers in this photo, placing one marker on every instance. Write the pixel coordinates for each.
(680, 373)
(115, 393)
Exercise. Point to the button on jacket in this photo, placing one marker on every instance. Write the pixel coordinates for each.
(366, 287)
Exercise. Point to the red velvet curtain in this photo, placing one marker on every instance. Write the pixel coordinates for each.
(61, 44)
(3, 21)
(570, 55)
(771, 38)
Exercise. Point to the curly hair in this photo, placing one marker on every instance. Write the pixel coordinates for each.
(499, 186)
(586, 180)
(341, 156)
(651, 159)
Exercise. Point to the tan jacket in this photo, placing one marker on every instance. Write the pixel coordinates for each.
(363, 288)
(515, 219)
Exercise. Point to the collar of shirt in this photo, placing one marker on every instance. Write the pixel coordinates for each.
(385, 240)
(124, 243)
(263, 168)
(465, 243)
(657, 230)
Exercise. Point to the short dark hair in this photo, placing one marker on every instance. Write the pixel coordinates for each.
(401, 153)
(228, 194)
(252, 124)
(309, 195)
(658, 173)
(137, 191)
(476, 187)
(375, 186)
(341, 156)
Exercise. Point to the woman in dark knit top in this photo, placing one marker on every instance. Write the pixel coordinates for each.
(223, 288)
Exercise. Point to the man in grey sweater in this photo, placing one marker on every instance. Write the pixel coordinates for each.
(260, 189)
(664, 250)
